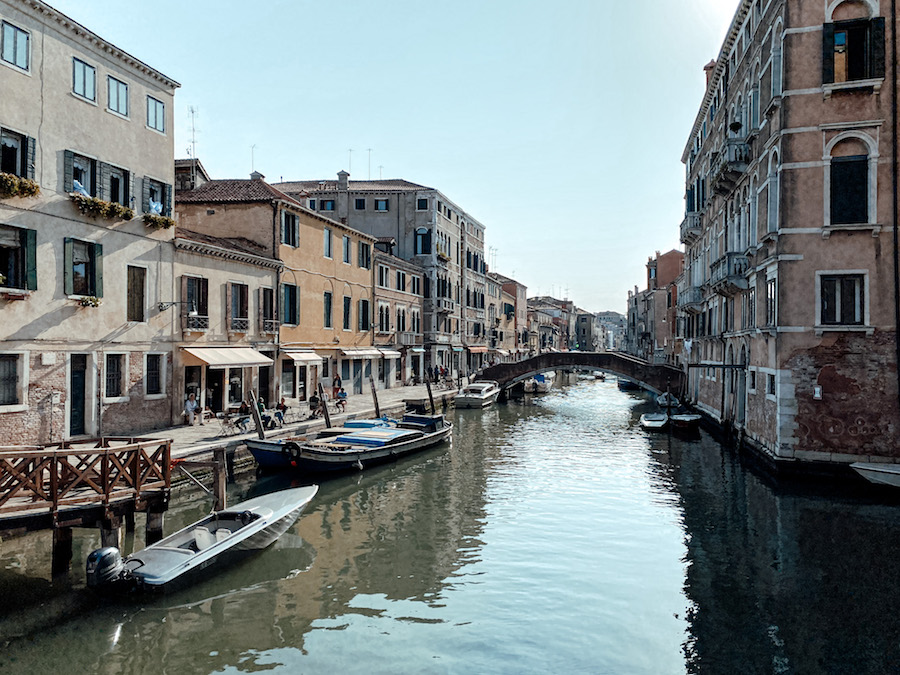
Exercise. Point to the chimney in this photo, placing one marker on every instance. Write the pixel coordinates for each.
(256, 175)
(343, 181)
(709, 69)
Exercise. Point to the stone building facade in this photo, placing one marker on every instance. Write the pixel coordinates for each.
(397, 318)
(787, 302)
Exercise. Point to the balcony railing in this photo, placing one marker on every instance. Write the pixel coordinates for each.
(691, 227)
(444, 305)
(728, 274)
(729, 164)
(196, 323)
(410, 339)
(690, 298)
(270, 325)
(239, 325)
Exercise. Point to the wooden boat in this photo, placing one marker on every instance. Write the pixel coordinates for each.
(351, 449)
(881, 474)
(249, 526)
(654, 421)
(478, 394)
(690, 421)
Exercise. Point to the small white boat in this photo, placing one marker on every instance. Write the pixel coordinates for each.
(249, 526)
(882, 474)
(478, 394)
(667, 400)
(540, 383)
(654, 421)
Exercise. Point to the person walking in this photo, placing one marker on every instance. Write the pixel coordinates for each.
(336, 385)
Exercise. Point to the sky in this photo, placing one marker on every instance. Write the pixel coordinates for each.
(557, 125)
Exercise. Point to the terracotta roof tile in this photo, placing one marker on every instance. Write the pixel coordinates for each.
(236, 190)
(240, 244)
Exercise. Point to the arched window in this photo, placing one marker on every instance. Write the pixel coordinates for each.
(774, 188)
(850, 175)
(423, 241)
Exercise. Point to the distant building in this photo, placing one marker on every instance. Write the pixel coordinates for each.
(651, 332)
(589, 332)
(614, 327)
(519, 292)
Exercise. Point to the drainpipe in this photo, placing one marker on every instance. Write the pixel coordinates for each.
(894, 167)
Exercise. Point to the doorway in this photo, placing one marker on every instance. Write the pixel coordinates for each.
(77, 394)
(215, 388)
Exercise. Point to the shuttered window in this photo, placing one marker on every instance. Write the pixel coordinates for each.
(136, 288)
(850, 189)
(18, 258)
(853, 50)
(114, 371)
(9, 379)
(153, 374)
(83, 268)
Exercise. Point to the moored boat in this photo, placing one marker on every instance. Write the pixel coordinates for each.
(478, 394)
(654, 421)
(540, 383)
(685, 420)
(667, 400)
(351, 449)
(248, 526)
(882, 474)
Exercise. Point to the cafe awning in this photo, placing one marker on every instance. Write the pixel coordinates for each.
(303, 357)
(477, 350)
(457, 349)
(361, 353)
(226, 357)
(390, 354)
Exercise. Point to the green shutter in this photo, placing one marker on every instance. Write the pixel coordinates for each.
(103, 186)
(69, 171)
(98, 270)
(828, 53)
(30, 239)
(30, 143)
(145, 195)
(68, 283)
(167, 200)
(876, 38)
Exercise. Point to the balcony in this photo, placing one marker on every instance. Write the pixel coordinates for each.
(690, 299)
(239, 325)
(196, 323)
(410, 339)
(691, 227)
(445, 305)
(728, 274)
(728, 165)
(270, 325)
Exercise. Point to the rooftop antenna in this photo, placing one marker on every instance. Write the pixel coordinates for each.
(350, 160)
(380, 167)
(369, 150)
(253, 158)
(192, 111)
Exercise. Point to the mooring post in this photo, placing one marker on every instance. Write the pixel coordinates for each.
(220, 475)
(129, 520)
(62, 550)
(111, 531)
(155, 519)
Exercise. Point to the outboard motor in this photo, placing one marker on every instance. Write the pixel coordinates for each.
(104, 567)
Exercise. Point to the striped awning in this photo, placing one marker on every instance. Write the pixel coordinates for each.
(477, 350)
(227, 357)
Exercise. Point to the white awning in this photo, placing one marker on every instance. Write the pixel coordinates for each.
(418, 350)
(390, 354)
(303, 357)
(361, 353)
(228, 357)
(501, 352)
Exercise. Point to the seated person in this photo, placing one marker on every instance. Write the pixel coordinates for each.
(341, 401)
(267, 421)
(242, 418)
(280, 411)
(314, 405)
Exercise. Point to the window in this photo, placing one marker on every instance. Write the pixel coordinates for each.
(326, 205)
(16, 154)
(117, 94)
(156, 114)
(115, 371)
(84, 80)
(853, 50)
(153, 375)
(384, 276)
(18, 258)
(348, 303)
(136, 294)
(770, 384)
(239, 307)
(751, 308)
(423, 241)
(364, 252)
(850, 189)
(15, 46)
(327, 242)
(83, 272)
(360, 204)
(116, 185)
(11, 390)
(842, 299)
(384, 318)
(290, 304)
(381, 204)
(771, 302)
(290, 230)
(326, 304)
(346, 241)
(416, 285)
(401, 320)
(84, 170)
(363, 315)
(312, 204)
(268, 320)
(156, 197)
(752, 383)
(195, 296)
(401, 280)
(422, 204)
(288, 379)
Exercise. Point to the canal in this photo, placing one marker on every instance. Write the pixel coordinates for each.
(552, 536)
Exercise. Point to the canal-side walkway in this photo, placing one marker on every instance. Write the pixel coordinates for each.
(198, 441)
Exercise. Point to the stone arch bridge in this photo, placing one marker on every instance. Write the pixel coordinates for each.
(657, 377)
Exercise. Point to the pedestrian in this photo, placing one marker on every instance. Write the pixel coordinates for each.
(336, 385)
(190, 409)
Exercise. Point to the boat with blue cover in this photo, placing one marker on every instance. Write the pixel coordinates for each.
(351, 448)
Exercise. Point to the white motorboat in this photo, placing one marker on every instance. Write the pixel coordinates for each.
(667, 400)
(478, 394)
(654, 421)
(249, 526)
(540, 383)
(882, 474)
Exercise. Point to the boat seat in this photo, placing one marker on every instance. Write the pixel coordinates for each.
(203, 538)
(222, 534)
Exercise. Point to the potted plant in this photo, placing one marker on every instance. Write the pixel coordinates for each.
(93, 207)
(12, 185)
(158, 222)
(89, 301)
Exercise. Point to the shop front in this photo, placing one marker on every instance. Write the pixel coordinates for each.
(299, 373)
(222, 377)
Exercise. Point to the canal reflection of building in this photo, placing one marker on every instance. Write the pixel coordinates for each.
(794, 579)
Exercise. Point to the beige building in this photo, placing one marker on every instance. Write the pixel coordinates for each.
(323, 302)
(397, 317)
(83, 348)
(521, 347)
(788, 297)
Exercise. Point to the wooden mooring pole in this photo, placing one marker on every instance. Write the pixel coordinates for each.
(62, 550)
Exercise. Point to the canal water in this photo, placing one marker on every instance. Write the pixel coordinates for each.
(553, 535)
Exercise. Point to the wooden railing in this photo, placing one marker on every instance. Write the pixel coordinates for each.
(81, 473)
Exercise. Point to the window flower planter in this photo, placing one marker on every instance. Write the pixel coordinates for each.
(89, 301)
(12, 185)
(158, 222)
(93, 207)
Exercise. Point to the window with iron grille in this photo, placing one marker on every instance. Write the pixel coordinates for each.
(326, 305)
(153, 374)
(9, 379)
(114, 372)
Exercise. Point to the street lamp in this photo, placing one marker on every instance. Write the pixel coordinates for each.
(162, 306)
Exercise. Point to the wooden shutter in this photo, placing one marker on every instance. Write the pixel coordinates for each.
(828, 53)
(68, 282)
(30, 144)
(29, 239)
(69, 171)
(103, 187)
(185, 308)
(228, 312)
(98, 270)
(129, 198)
(167, 200)
(260, 315)
(876, 47)
(145, 195)
(203, 300)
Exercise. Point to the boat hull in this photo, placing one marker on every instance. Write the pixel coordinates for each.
(654, 421)
(880, 474)
(465, 401)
